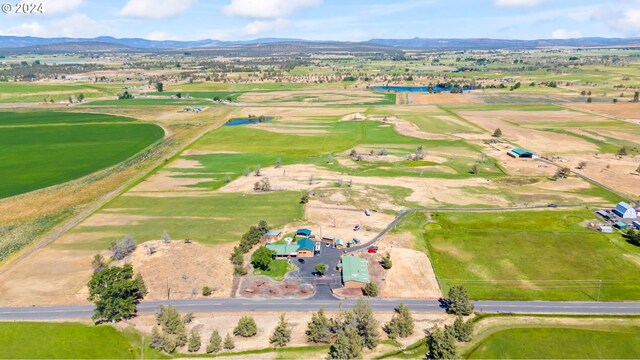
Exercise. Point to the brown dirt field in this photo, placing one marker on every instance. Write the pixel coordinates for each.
(442, 99)
(312, 97)
(267, 321)
(617, 173)
(164, 181)
(411, 276)
(542, 142)
(628, 111)
(186, 266)
(408, 128)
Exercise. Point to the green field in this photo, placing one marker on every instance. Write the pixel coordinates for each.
(530, 255)
(70, 341)
(277, 269)
(212, 219)
(616, 342)
(43, 149)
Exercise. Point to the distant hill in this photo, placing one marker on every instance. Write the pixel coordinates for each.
(30, 43)
(76, 47)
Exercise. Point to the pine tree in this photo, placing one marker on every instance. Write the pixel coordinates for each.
(319, 329)
(386, 261)
(157, 340)
(172, 323)
(215, 343)
(195, 342)
(246, 327)
(458, 301)
(282, 333)
(228, 342)
(366, 324)
(442, 344)
(497, 133)
(401, 324)
(463, 330)
(370, 290)
(348, 345)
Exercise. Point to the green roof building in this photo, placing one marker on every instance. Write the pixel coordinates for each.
(306, 244)
(283, 250)
(303, 232)
(521, 153)
(355, 271)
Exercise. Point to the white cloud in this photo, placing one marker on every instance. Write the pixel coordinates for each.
(566, 34)
(622, 19)
(160, 35)
(518, 2)
(51, 7)
(262, 26)
(266, 9)
(77, 25)
(155, 9)
(25, 29)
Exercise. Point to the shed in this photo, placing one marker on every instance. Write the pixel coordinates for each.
(522, 153)
(305, 248)
(604, 214)
(339, 244)
(283, 250)
(636, 224)
(272, 235)
(625, 211)
(606, 229)
(328, 239)
(620, 225)
(303, 233)
(355, 271)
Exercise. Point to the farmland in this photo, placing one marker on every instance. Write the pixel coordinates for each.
(70, 341)
(44, 149)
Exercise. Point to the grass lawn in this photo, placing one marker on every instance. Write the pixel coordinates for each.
(43, 149)
(24, 340)
(214, 219)
(529, 255)
(277, 269)
(621, 342)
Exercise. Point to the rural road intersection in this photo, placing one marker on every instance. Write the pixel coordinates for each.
(286, 305)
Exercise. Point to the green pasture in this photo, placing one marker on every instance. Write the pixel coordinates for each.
(150, 102)
(530, 255)
(26, 340)
(277, 270)
(58, 147)
(599, 342)
(37, 92)
(210, 219)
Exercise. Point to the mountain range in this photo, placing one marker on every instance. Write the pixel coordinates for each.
(76, 44)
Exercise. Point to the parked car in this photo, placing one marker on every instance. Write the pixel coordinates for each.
(356, 228)
(372, 249)
(552, 205)
(328, 244)
(301, 261)
(367, 212)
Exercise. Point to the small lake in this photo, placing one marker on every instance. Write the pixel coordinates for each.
(236, 122)
(414, 88)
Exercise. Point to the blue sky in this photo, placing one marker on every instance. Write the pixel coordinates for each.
(350, 20)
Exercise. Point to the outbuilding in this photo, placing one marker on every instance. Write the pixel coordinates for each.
(636, 224)
(339, 244)
(606, 229)
(272, 235)
(305, 248)
(355, 271)
(620, 225)
(283, 250)
(303, 233)
(625, 211)
(522, 153)
(328, 239)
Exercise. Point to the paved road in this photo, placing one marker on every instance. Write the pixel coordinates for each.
(277, 305)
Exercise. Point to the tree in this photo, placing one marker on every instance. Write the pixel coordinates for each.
(215, 343)
(497, 133)
(321, 269)
(401, 324)
(348, 345)
(98, 264)
(188, 318)
(615, 101)
(80, 97)
(463, 330)
(227, 179)
(442, 344)
(386, 261)
(278, 162)
(319, 328)
(366, 324)
(581, 165)
(282, 333)
(121, 248)
(246, 171)
(116, 292)
(256, 172)
(160, 87)
(329, 158)
(370, 290)
(562, 173)
(172, 323)
(304, 198)
(632, 236)
(157, 340)
(165, 237)
(71, 99)
(246, 327)
(622, 151)
(262, 258)
(228, 342)
(636, 96)
(206, 291)
(589, 100)
(458, 302)
(194, 341)
(474, 169)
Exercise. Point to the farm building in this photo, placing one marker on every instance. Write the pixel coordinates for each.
(284, 250)
(620, 225)
(604, 214)
(328, 239)
(272, 235)
(305, 248)
(522, 153)
(355, 271)
(339, 244)
(636, 224)
(606, 229)
(625, 211)
(303, 233)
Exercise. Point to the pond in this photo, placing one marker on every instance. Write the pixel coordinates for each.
(236, 122)
(414, 88)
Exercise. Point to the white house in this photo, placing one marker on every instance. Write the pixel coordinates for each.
(625, 211)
